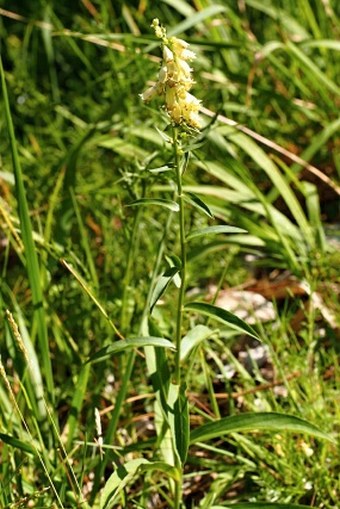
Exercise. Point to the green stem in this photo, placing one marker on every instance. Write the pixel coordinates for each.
(178, 491)
(180, 201)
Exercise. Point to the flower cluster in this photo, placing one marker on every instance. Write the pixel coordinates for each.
(175, 80)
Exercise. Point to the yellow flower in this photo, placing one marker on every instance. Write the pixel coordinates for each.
(175, 80)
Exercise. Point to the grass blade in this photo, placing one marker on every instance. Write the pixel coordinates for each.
(31, 257)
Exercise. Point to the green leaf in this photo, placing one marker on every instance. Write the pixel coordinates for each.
(125, 474)
(213, 230)
(18, 444)
(168, 204)
(193, 338)
(224, 316)
(198, 203)
(162, 284)
(182, 423)
(127, 344)
(266, 421)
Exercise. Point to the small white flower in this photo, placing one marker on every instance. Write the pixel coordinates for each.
(168, 55)
(187, 54)
(149, 94)
(185, 68)
(163, 73)
(192, 100)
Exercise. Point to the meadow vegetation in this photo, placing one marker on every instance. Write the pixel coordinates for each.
(169, 330)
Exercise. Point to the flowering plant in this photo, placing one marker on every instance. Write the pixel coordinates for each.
(175, 80)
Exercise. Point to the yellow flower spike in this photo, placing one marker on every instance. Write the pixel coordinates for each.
(175, 80)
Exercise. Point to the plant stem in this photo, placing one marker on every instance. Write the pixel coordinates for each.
(178, 491)
(180, 201)
(177, 372)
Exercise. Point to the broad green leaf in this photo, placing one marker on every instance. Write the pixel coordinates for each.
(213, 230)
(224, 316)
(168, 204)
(162, 284)
(165, 435)
(126, 344)
(266, 421)
(125, 473)
(194, 337)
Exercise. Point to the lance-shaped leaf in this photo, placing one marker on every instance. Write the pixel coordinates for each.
(182, 423)
(193, 338)
(198, 203)
(224, 316)
(127, 344)
(162, 284)
(168, 204)
(266, 421)
(213, 230)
